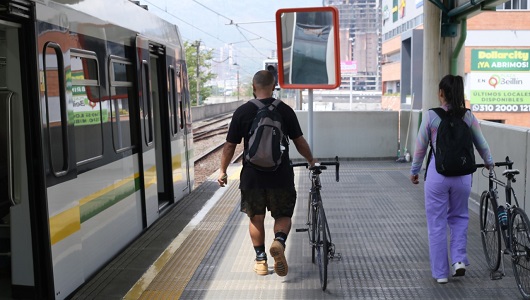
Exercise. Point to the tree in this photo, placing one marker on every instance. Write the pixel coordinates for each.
(246, 90)
(205, 74)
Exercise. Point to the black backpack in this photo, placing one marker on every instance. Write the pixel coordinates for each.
(455, 155)
(266, 141)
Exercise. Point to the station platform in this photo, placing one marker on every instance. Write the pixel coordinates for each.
(201, 249)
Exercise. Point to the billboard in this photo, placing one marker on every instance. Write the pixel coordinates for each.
(499, 80)
(348, 67)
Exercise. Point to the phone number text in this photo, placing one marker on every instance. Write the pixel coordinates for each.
(500, 107)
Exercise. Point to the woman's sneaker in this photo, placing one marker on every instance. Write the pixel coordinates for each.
(280, 263)
(459, 269)
(442, 280)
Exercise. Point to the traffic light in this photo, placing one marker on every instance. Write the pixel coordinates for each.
(273, 68)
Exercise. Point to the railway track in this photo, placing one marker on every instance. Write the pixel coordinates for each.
(205, 134)
(209, 138)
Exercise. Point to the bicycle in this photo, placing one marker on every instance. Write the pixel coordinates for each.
(317, 224)
(509, 222)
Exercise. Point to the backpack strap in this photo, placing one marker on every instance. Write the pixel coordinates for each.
(260, 104)
(428, 161)
(257, 103)
(440, 112)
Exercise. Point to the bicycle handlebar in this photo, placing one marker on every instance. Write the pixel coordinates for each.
(321, 166)
(508, 163)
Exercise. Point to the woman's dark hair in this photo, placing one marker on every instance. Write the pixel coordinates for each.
(453, 88)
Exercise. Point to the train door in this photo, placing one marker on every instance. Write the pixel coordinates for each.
(157, 126)
(186, 124)
(17, 273)
(177, 135)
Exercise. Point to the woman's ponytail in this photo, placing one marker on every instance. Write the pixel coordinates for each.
(453, 88)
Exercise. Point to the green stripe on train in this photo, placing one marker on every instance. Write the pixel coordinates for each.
(98, 205)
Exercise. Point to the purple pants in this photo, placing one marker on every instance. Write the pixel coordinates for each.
(446, 204)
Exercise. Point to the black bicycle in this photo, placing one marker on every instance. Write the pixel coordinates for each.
(322, 247)
(508, 222)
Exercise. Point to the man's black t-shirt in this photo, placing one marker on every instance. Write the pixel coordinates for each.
(251, 178)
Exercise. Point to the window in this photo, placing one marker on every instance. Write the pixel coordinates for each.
(89, 112)
(514, 5)
(180, 89)
(395, 10)
(121, 95)
(173, 105)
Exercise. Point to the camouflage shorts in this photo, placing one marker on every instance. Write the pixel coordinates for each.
(280, 202)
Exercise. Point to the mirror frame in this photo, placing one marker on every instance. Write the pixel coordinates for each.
(336, 47)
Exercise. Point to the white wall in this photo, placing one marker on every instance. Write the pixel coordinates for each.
(364, 134)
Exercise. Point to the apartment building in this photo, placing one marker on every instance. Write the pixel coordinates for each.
(360, 39)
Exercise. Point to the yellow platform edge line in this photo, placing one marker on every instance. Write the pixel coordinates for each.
(143, 283)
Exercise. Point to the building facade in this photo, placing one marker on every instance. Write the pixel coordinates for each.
(497, 71)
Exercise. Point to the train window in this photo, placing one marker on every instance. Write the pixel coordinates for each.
(180, 101)
(173, 106)
(121, 93)
(146, 106)
(56, 108)
(89, 112)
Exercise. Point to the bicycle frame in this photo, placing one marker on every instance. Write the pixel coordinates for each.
(509, 192)
(312, 206)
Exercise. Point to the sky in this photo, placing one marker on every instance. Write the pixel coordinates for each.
(254, 37)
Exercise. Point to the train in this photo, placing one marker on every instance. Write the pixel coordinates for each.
(96, 137)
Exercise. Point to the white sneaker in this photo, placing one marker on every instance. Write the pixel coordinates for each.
(459, 269)
(442, 280)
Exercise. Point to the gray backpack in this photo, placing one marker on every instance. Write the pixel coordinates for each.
(265, 138)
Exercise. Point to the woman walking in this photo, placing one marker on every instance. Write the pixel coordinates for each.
(446, 197)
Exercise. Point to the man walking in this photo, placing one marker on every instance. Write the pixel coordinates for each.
(266, 190)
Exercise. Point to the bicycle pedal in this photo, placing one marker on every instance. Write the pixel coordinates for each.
(301, 229)
(496, 275)
(336, 256)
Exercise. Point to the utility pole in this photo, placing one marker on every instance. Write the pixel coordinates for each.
(198, 44)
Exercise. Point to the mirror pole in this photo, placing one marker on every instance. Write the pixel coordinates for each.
(310, 118)
(351, 90)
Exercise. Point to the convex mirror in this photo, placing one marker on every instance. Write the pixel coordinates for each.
(308, 48)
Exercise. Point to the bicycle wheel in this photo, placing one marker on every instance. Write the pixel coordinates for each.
(489, 229)
(322, 246)
(520, 243)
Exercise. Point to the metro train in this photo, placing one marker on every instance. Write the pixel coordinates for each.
(96, 140)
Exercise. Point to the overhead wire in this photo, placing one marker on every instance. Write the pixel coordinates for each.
(232, 22)
(254, 60)
(211, 10)
(184, 21)
(237, 26)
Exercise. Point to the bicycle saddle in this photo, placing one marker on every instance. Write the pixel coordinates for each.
(510, 172)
